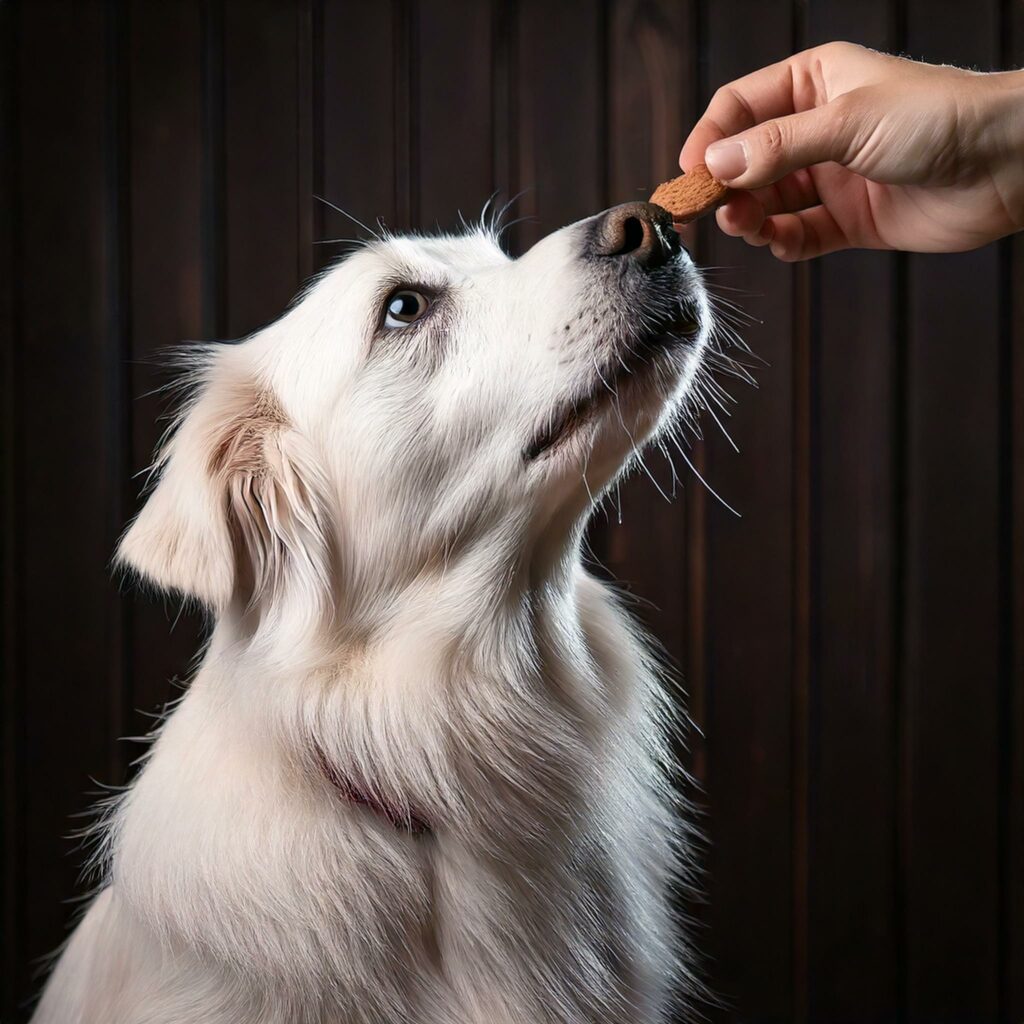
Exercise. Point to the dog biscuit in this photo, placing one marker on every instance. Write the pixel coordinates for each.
(690, 195)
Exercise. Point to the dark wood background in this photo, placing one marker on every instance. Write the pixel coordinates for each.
(851, 645)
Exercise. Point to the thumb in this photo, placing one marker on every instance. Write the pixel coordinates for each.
(769, 151)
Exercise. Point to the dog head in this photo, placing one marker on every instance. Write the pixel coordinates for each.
(429, 403)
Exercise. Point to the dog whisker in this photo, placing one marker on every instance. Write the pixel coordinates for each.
(355, 220)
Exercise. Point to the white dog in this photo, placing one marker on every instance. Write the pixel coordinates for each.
(421, 774)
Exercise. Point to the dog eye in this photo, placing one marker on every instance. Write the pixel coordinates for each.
(403, 307)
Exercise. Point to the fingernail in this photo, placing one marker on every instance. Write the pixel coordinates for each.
(726, 160)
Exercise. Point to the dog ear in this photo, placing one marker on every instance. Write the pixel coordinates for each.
(238, 506)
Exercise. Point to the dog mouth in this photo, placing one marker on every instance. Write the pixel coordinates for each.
(635, 360)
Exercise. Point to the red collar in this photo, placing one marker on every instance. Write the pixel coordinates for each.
(405, 819)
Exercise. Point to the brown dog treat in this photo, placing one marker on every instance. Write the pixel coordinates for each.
(690, 195)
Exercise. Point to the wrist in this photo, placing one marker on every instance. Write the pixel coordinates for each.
(1006, 108)
(1001, 111)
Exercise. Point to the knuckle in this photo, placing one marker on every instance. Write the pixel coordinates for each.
(731, 107)
(720, 100)
(838, 114)
(727, 224)
(844, 119)
(773, 141)
(839, 48)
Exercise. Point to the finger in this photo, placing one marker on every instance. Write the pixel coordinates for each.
(794, 192)
(805, 235)
(801, 82)
(704, 133)
(756, 231)
(739, 105)
(769, 151)
(744, 213)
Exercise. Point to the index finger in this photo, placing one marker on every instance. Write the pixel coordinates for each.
(763, 94)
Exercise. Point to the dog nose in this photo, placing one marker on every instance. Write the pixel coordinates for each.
(637, 231)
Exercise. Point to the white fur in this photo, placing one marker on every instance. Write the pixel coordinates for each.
(396, 587)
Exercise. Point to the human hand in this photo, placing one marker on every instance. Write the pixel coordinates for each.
(842, 147)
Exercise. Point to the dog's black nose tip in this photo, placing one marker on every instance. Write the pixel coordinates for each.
(639, 231)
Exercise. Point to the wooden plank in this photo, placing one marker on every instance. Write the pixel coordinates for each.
(952, 586)
(358, 119)
(642, 531)
(952, 642)
(853, 927)
(852, 886)
(505, 103)
(264, 215)
(1012, 705)
(308, 142)
(561, 143)
(167, 255)
(1012, 899)
(454, 111)
(70, 476)
(11, 904)
(749, 619)
(561, 115)
(652, 103)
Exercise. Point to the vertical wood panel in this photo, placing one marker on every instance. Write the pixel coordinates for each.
(652, 104)
(561, 144)
(213, 214)
(952, 646)
(1013, 854)
(405, 56)
(308, 138)
(70, 476)
(166, 286)
(11, 713)
(1012, 896)
(561, 104)
(358, 126)
(749, 619)
(264, 215)
(952, 593)
(642, 528)
(505, 103)
(852, 924)
(454, 110)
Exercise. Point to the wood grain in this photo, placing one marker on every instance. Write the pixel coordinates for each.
(853, 928)
(166, 296)
(749, 624)
(952, 594)
(69, 448)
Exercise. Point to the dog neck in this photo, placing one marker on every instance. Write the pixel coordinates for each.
(404, 819)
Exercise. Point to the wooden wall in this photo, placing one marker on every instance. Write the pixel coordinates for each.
(851, 645)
